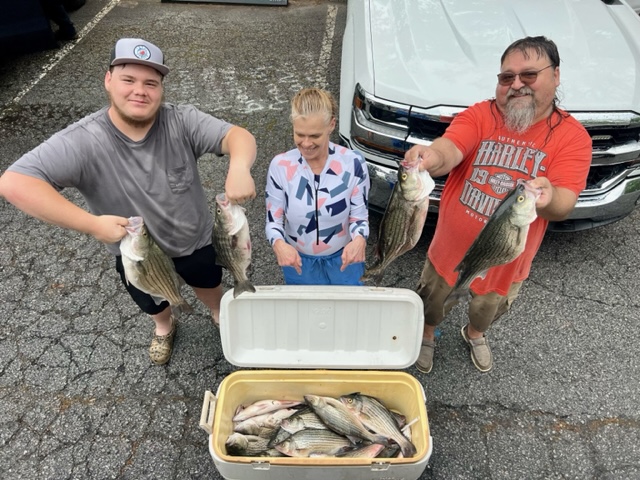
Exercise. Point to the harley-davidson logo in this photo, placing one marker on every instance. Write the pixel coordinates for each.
(501, 183)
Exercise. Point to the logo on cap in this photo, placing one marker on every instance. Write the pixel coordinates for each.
(142, 52)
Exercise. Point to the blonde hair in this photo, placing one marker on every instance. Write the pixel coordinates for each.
(314, 101)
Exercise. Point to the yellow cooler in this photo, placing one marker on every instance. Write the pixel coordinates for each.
(319, 340)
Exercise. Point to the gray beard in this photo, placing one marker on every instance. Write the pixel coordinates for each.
(519, 120)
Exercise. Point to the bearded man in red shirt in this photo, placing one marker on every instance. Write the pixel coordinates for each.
(521, 135)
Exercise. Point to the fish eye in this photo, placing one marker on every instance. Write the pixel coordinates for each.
(404, 176)
(520, 198)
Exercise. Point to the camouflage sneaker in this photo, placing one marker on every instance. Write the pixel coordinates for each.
(480, 352)
(425, 359)
(162, 345)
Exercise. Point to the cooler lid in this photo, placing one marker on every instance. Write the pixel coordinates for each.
(333, 327)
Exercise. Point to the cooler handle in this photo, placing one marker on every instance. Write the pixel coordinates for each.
(208, 410)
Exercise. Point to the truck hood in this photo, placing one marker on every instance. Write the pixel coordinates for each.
(447, 52)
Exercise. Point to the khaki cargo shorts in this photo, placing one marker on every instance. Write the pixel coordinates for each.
(483, 309)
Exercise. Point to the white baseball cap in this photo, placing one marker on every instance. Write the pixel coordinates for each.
(137, 50)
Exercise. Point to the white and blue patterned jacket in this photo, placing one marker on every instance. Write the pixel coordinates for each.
(318, 215)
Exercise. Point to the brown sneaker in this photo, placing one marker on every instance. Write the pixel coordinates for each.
(162, 345)
(425, 359)
(480, 352)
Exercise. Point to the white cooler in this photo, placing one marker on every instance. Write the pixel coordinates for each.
(319, 340)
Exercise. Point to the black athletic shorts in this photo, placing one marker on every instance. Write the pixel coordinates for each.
(198, 270)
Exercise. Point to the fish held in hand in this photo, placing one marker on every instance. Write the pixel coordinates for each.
(500, 241)
(403, 220)
(148, 268)
(232, 242)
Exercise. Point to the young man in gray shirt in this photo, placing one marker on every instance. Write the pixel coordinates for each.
(138, 157)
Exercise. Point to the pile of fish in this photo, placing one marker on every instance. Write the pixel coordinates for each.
(499, 242)
(355, 425)
(232, 242)
(403, 220)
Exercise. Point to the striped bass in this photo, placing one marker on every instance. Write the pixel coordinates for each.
(232, 242)
(403, 220)
(246, 445)
(342, 420)
(377, 418)
(148, 268)
(314, 443)
(261, 407)
(499, 242)
(265, 424)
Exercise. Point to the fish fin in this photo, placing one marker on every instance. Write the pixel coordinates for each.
(243, 286)
(186, 307)
(455, 297)
(181, 308)
(133, 257)
(408, 449)
(126, 278)
(235, 228)
(375, 274)
(157, 300)
(346, 449)
(377, 279)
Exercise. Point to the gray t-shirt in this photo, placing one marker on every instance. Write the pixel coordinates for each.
(156, 178)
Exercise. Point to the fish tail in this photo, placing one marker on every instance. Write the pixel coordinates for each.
(455, 297)
(374, 273)
(243, 286)
(407, 448)
(181, 308)
(186, 307)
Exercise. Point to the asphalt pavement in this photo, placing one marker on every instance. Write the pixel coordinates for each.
(79, 398)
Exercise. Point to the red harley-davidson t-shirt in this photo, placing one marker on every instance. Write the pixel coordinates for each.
(494, 158)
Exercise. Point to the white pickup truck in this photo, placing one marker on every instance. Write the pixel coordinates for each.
(409, 66)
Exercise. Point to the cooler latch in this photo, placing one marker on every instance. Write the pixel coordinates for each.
(261, 465)
(380, 466)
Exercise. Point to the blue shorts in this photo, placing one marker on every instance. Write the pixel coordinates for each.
(324, 270)
(197, 270)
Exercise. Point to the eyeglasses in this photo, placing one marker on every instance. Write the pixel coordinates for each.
(507, 78)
